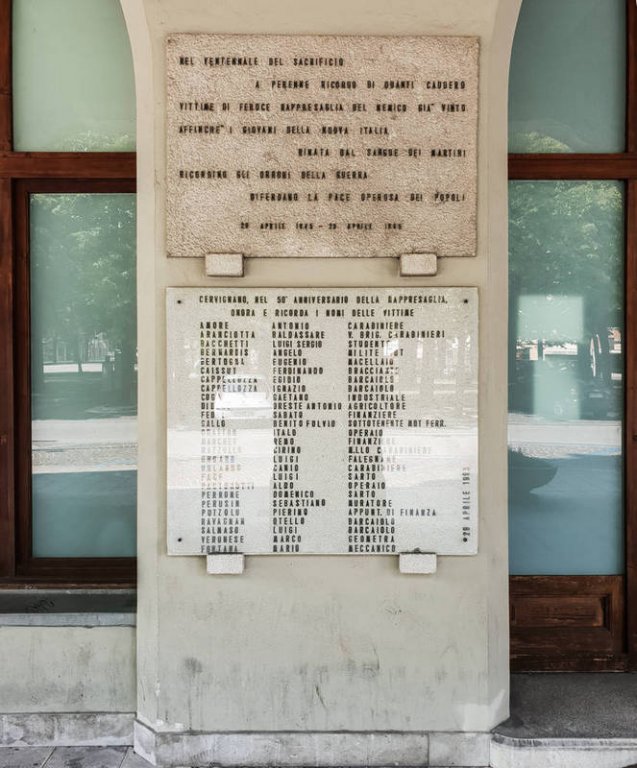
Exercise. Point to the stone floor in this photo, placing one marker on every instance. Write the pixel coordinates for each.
(572, 705)
(70, 757)
(595, 709)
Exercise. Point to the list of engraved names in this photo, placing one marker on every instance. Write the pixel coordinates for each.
(321, 146)
(332, 421)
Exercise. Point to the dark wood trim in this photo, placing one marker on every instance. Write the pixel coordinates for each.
(630, 433)
(22, 373)
(78, 571)
(6, 85)
(631, 76)
(23, 188)
(567, 623)
(630, 441)
(573, 166)
(73, 165)
(51, 571)
(7, 433)
(75, 582)
(569, 663)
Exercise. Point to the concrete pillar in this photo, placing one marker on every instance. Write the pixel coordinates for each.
(322, 660)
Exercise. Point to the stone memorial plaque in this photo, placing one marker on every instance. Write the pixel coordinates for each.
(331, 421)
(321, 146)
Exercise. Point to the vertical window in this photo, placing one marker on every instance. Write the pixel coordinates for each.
(83, 374)
(68, 447)
(72, 77)
(568, 77)
(566, 390)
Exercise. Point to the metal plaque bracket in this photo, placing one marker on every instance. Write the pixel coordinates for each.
(417, 562)
(225, 565)
(415, 264)
(224, 264)
(408, 562)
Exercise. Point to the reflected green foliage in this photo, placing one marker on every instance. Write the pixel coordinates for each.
(535, 143)
(567, 84)
(93, 141)
(83, 374)
(567, 238)
(566, 307)
(566, 243)
(83, 285)
(567, 93)
(73, 78)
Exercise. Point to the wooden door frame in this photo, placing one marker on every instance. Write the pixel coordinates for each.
(590, 622)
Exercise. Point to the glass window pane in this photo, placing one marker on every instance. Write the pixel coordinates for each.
(83, 374)
(567, 86)
(73, 87)
(566, 356)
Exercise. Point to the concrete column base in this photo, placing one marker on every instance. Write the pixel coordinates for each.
(66, 729)
(321, 749)
(507, 752)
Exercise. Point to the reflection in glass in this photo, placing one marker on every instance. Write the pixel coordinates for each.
(72, 77)
(83, 374)
(566, 377)
(567, 86)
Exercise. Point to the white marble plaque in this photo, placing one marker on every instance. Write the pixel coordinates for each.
(322, 421)
(321, 146)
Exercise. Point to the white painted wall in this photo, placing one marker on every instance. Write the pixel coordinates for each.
(309, 643)
(67, 669)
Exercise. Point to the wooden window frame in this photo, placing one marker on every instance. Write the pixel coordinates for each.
(23, 174)
(590, 622)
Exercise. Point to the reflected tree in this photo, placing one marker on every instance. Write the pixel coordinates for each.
(83, 279)
(567, 239)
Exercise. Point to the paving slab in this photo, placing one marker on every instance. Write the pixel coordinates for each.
(87, 757)
(24, 757)
(587, 705)
(133, 760)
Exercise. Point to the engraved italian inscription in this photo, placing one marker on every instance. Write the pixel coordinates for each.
(305, 421)
(321, 146)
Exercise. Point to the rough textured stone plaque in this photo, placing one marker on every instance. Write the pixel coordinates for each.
(331, 421)
(321, 146)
